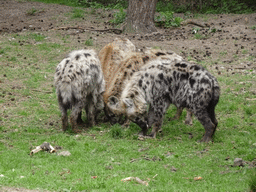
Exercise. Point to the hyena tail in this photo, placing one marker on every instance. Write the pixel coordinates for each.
(216, 93)
(65, 90)
(213, 103)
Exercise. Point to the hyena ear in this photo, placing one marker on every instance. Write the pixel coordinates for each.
(128, 102)
(113, 102)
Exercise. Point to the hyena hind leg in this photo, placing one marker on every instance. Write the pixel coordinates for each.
(211, 113)
(76, 110)
(90, 112)
(64, 117)
(209, 126)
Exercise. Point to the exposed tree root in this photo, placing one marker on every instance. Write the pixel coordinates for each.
(195, 23)
(116, 31)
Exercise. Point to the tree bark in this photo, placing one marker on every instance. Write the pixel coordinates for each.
(140, 16)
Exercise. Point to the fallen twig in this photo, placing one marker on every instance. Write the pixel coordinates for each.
(137, 179)
(252, 99)
(41, 91)
(195, 23)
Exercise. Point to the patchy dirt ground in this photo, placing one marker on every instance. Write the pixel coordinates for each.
(226, 48)
(232, 38)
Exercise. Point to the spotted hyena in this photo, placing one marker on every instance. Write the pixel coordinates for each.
(147, 96)
(79, 84)
(111, 57)
(127, 67)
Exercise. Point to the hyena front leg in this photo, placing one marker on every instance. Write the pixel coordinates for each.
(156, 127)
(76, 110)
(188, 120)
(151, 120)
(156, 115)
(143, 125)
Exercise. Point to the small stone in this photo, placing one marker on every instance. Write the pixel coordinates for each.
(190, 136)
(64, 153)
(238, 162)
(173, 169)
(141, 138)
(109, 167)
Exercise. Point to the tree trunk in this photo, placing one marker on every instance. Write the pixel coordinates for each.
(140, 16)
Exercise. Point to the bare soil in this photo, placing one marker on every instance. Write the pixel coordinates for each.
(229, 49)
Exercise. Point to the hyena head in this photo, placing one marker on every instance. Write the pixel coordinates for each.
(132, 103)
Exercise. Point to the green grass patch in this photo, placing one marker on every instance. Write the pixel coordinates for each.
(77, 13)
(199, 36)
(167, 19)
(89, 42)
(244, 51)
(32, 11)
(119, 17)
(223, 53)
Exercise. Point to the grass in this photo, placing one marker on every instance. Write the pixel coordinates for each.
(89, 42)
(32, 11)
(223, 53)
(119, 17)
(103, 155)
(200, 36)
(77, 13)
(167, 20)
(244, 51)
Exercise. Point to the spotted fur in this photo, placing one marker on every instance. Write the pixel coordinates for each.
(111, 56)
(127, 68)
(147, 96)
(79, 84)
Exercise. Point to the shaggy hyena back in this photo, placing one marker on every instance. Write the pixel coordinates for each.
(112, 54)
(161, 83)
(79, 83)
